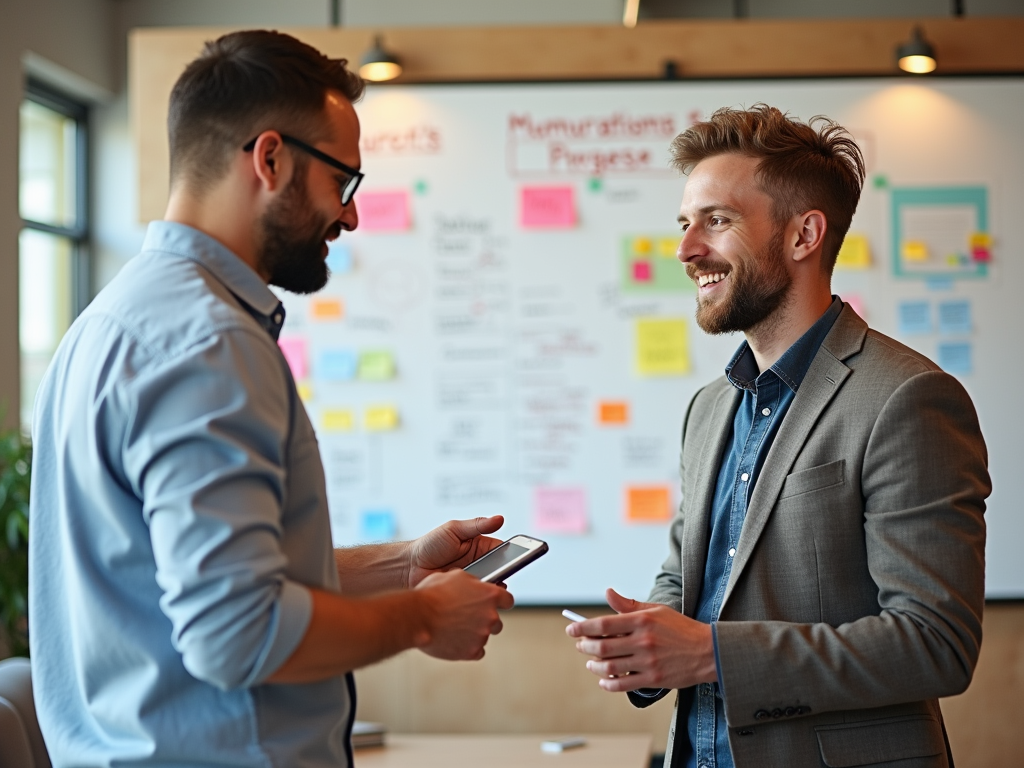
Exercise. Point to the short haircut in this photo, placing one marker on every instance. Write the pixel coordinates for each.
(242, 84)
(803, 166)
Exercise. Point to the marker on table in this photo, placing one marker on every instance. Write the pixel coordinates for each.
(573, 616)
(560, 745)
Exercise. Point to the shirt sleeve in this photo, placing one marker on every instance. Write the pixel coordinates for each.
(205, 449)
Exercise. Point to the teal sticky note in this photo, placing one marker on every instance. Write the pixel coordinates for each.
(915, 317)
(377, 525)
(955, 317)
(339, 257)
(337, 365)
(956, 357)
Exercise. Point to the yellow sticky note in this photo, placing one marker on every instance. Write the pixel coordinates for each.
(915, 250)
(376, 366)
(326, 309)
(305, 392)
(648, 504)
(667, 247)
(380, 418)
(337, 420)
(662, 347)
(641, 246)
(981, 241)
(855, 253)
(613, 412)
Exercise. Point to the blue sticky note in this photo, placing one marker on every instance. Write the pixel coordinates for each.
(337, 365)
(955, 317)
(956, 357)
(915, 317)
(377, 525)
(339, 257)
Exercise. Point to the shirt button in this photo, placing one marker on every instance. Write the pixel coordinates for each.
(744, 477)
(766, 412)
(732, 552)
(277, 318)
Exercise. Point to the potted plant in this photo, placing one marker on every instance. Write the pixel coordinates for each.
(15, 471)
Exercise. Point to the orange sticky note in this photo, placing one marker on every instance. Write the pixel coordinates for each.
(648, 504)
(326, 309)
(613, 412)
(642, 246)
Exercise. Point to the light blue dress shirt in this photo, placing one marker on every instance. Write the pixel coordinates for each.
(179, 516)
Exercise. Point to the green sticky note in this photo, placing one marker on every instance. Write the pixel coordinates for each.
(376, 366)
(595, 184)
(420, 187)
(880, 182)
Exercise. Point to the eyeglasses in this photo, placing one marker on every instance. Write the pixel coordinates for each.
(348, 186)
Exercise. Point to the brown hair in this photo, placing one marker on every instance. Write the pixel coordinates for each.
(242, 84)
(816, 165)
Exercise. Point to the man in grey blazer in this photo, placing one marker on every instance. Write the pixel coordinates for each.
(825, 580)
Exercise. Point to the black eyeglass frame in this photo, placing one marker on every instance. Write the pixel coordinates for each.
(348, 189)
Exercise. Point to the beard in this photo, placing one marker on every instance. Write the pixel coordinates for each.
(760, 286)
(293, 240)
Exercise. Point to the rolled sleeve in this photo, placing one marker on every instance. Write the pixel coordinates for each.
(205, 450)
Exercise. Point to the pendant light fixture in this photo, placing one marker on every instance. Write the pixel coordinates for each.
(378, 65)
(916, 56)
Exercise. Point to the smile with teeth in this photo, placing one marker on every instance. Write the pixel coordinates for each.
(714, 277)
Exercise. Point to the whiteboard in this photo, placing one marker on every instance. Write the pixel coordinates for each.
(462, 356)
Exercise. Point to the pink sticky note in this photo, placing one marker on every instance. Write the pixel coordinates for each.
(547, 207)
(856, 303)
(641, 271)
(294, 351)
(383, 211)
(560, 510)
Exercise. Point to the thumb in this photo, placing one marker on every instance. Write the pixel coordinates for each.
(622, 604)
(469, 529)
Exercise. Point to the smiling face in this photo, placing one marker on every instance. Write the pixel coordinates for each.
(732, 247)
(308, 214)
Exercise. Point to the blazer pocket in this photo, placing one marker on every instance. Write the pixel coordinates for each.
(813, 479)
(880, 741)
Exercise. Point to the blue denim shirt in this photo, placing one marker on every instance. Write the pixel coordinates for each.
(179, 518)
(766, 399)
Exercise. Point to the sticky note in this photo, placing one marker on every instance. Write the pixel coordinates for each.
(642, 271)
(384, 211)
(915, 317)
(560, 510)
(294, 350)
(325, 310)
(642, 246)
(550, 207)
(856, 303)
(955, 317)
(956, 357)
(305, 392)
(915, 250)
(380, 418)
(662, 347)
(667, 247)
(855, 253)
(376, 366)
(339, 257)
(337, 365)
(613, 412)
(981, 246)
(648, 504)
(377, 525)
(337, 420)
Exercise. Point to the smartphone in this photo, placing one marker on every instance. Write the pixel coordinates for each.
(507, 558)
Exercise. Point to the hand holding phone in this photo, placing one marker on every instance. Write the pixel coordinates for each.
(507, 558)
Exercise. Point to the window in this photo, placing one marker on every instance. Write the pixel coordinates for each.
(53, 253)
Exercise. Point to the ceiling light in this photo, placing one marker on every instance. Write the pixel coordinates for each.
(377, 65)
(916, 56)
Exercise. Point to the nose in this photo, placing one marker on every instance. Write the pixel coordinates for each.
(349, 216)
(691, 245)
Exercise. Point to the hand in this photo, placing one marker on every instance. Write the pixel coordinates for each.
(464, 614)
(455, 544)
(646, 645)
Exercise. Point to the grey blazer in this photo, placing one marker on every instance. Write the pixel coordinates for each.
(856, 593)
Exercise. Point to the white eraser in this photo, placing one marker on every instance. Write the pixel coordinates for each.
(573, 616)
(560, 745)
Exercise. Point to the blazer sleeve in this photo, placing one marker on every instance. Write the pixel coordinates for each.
(924, 482)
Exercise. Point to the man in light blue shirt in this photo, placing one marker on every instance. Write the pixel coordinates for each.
(187, 606)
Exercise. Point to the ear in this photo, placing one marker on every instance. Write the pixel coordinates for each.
(809, 236)
(272, 166)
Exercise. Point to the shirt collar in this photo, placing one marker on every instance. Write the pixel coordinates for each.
(237, 276)
(791, 368)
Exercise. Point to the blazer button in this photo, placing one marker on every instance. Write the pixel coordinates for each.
(762, 714)
(802, 710)
(776, 714)
(790, 711)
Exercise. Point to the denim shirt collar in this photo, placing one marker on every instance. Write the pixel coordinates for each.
(791, 368)
(238, 277)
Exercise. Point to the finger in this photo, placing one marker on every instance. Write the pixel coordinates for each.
(627, 683)
(606, 626)
(496, 627)
(622, 604)
(606, 648)
(505, 600)
(613, 667)
(470, 529)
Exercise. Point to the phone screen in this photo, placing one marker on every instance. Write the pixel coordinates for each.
(495, 559)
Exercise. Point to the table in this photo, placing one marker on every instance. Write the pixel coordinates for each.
(504, 751)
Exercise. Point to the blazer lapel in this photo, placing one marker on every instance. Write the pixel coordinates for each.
(823, 380)
(702, 492)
